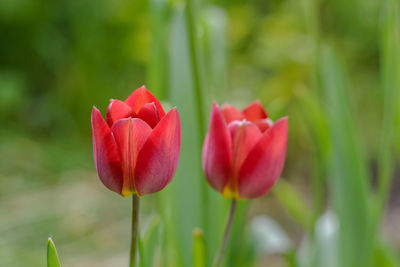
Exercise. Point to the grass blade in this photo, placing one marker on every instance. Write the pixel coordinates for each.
(199, 249)
(52, 257)
(348, 172)
(390, 70)
(185, 190)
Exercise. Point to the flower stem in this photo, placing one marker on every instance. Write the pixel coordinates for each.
(228, 229)
(134, 234)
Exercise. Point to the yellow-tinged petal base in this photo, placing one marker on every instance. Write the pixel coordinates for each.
(126, 193)
(229, 193)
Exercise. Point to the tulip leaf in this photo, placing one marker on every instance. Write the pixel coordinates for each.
(385, 256)
(52, 257)
(294, 204)
(149, 241)
(157, 74)
(348, 175)
(185, 191)
(390, 62)
(199, 249)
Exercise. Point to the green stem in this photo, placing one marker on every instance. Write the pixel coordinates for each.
(198, 88)
(193, 49)
(134, 233)
(228, 229)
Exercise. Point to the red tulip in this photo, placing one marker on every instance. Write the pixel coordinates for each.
(244, 151)
(137, 150)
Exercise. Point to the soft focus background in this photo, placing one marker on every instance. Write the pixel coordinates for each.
(332, 66)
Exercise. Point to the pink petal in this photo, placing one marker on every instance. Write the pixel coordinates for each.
(244, 135)
(255, 111)
(264, 164)
(158, 159)
(217, 151)
(105, 153)
(264, 124)
(130, 135)
(149, 114)
(231, 113)
(140, 97)
(118, 110)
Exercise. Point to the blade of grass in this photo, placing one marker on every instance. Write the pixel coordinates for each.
(315, 117)
(240, 250)
(149, 242)
(348, 172)
(294, 204)
(199, 250)
(214, 25)
(185, 190)
(52, 257)
(384, 256)
(157, 71)
(390, 70)
(213, 57)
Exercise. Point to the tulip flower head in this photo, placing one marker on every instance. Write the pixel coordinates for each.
(136, 151)
(244, 151)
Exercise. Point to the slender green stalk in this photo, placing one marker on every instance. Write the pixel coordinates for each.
(225, 240)
(193, 50)
(134, 233)
(197, 84)
(390, 83)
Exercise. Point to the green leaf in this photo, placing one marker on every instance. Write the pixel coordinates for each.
(390, 70)
(385, 256)
(294, 204)
(52, 257)
(157, 68)
(185, 192)
(149, 247)
(199, 249)
(348, 175)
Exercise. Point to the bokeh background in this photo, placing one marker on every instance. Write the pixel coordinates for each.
(332, 66)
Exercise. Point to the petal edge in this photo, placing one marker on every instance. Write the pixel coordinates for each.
(105, 153)
(264, 164)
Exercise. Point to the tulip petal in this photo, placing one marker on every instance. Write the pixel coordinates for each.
(158, 159)
(255, 111)
(130, 135)
(264, 164)
(264, 124)
(106, 155)
(118, 110)
(140, 97)
(217, 151)
(231, 113)
(149, 114)
(244, 135)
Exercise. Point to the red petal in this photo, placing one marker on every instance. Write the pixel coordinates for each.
(158, 159)
(231, 113)
(217, 151)
(118, 110)
(130, 136)
(264, 164)
(140, 97)
(255, 111)
(244, 135)
(149, 114)
(105, 153)
(264, 124)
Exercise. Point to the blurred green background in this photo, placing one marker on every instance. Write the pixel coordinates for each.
(332, 66)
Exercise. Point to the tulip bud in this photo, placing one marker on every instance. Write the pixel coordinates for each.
(136, 151)
(244, 151)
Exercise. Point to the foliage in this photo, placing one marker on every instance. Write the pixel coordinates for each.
(331, 66)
